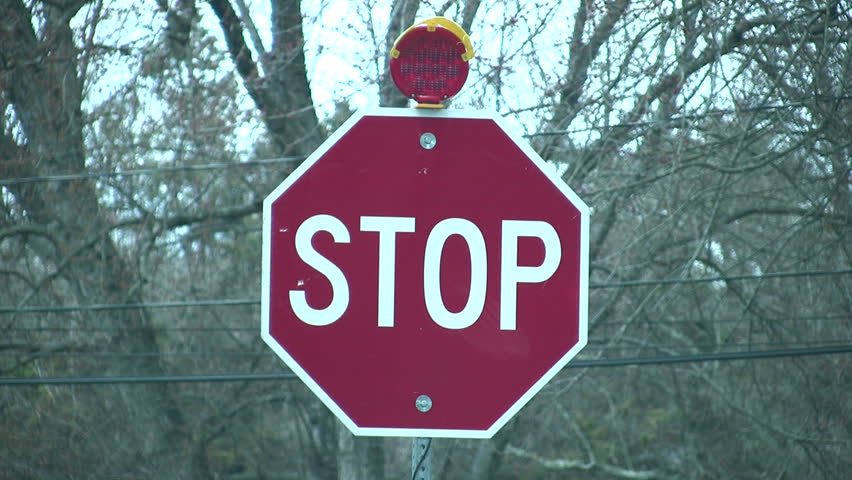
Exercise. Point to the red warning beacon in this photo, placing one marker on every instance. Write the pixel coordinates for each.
(429, 61)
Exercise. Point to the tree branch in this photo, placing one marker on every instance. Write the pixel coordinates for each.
(402, 16)
(253, 34)
(468, 14)
(282, 95)
(237, 48)
(26, 230)
(786, 211)
(570, 464)
(581, 56)
(620, 136)
(225, 214)
(179, 22)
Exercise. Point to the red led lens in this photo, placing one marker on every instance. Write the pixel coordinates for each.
(429, 67)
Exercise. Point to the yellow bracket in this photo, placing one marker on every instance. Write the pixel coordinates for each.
(431, 25)
(430, 105)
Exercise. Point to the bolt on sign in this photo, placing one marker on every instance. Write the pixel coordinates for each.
(425, 273)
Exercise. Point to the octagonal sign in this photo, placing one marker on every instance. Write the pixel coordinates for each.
(425, 273)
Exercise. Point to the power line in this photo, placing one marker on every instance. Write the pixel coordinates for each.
(713, 357)
(232, 329)
(713, 347)
(47, 354)
(739, 319)
(730, 278)
(134, 329)
(684, 118)
(130, 306)
(292, 159)
(253, 302)
(601, 363)
(136, 379)
(597, 346)
(149, 171)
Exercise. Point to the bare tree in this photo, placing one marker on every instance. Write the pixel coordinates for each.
(710, 140)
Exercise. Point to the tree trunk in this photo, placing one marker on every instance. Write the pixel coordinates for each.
(47, 96)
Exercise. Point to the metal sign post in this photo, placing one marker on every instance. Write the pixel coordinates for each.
(421, 458)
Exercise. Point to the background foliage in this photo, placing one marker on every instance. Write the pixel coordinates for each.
(711, 140)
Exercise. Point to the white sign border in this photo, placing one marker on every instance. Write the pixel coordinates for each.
(549, 172)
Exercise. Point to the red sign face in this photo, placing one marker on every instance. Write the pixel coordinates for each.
(425, 273)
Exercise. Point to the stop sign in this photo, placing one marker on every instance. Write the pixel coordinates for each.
(425, 273)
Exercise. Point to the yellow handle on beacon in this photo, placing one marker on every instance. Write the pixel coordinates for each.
(431, 24)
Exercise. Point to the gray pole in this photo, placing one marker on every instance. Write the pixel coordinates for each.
(421, 459)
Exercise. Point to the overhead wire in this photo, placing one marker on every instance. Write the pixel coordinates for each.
(128, 329)
(131, 306)
(651, 360)
(597, 346)
(234, 329)
(150, 171)
(683, 118)
(716, 321)
(293, 159)
(255, 302)
(598, 363)
(727, 278)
